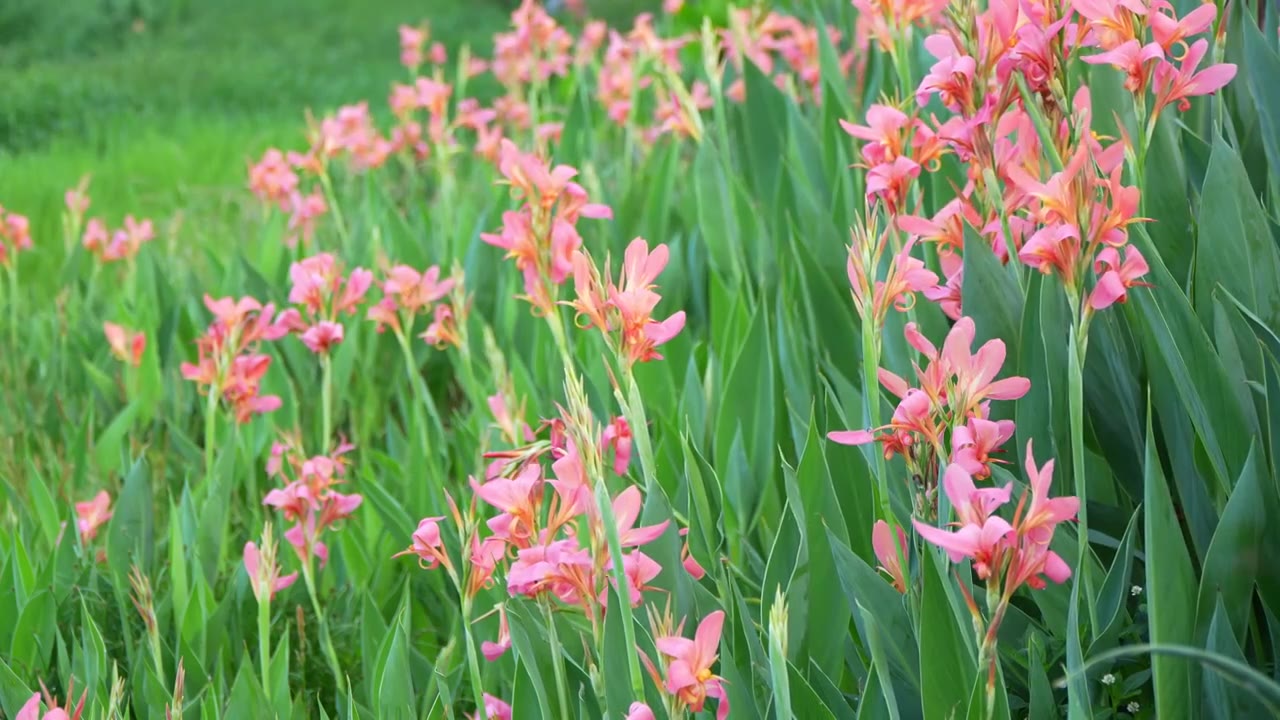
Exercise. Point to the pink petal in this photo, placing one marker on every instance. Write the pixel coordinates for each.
(851, 437)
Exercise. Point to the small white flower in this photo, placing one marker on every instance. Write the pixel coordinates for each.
(1108, 679)
(1136, 590)
(1133, 708)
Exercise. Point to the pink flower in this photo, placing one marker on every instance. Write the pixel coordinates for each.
(690, 563)
(638, 710)
(92, 514)
(443, 330)
(272, 179)
(77, 199)
(1134, 59)
(518, 499)
(495, 709)
(428, 545)
(494, 650)
(322, 337)
(689, 675)
(412, 40)
(888, 553)
(413, 290)
(1044, 513)
(975, 372)
(1176, 85)
(1116, 277)
(1169, 31)
(951, 77)
(951, 295)
(626, 510)
(639, 570)
(889, 181)
(973, 444)
(885, 133)
(617, 435)
(95, 236)
(264, 578)
(126, 345)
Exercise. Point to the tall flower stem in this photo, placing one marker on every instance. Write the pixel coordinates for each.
(264, 641)
(326, 400)
(871, 398)
(332, 199)
(12, 271)
(326, 642)
(1075, 387)
(557, 659)
(473, 662)
(210, 431)
(420, 389)
(634, 413)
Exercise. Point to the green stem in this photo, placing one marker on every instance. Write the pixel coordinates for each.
(1079, 349)
(326, 642)
(210, 431)
(557, 660)
(871, 399)
(326, 401)
(473, 662)
(332, 199)
(264, 641)
(420, 389)
(12, 270)
(623, 586)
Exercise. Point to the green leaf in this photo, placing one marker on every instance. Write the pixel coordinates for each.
(863, 587)
(991, 295)
(1261, 68)
(1115, 588)
(1222, 700)
(131, 530)
(1170, 587)
(393, 679)
(947, 670)
(1232, 563)
(1238, 251)
(109, 446)
(33, 642)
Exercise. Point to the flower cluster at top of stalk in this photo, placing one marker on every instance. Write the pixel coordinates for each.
(623, 311)
(230, 365)
(15, 235)
(947, 414)
(542, 236)
(641, 61)
(782, 47)
(122, 244)
(324, 293)
(309, 498)
(126, 345)
(407, 293)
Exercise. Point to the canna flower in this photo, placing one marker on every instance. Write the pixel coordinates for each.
(92, 514)
(428, 545)
(1170, 32)
(95, 236)
(127, 241)
(949, 296)
(1053, 249)
(689, 675)
(304, 211)
(617, 435)
(412, 41)
(980, 542)
(951, 77)
(494, 709)
(1113, 22)
(494, 650)
(973, 444)
(886, 134)
(126, 345)
(31, 709)
(443, 330)
(517, 499)
(273, 180)
(1134, 59)
(639, 570)
(890, 181)
(77, 199)
(975, 372)
(691, 566)
(1044, 513)
(634, 300)
(414, 291)
(15, 235)
(560, 568)
(264, 577)
(626, 510)
(1116, 277)
(638, 710)
(1176, 85)
(889, 554)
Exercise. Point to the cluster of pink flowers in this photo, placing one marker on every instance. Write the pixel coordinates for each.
(536, 49)
(783, 48)
(414, 50)
(542, 235)
(123, 244)
(229, 362)
(325, 294)
(274, 179)
(126, 345)
(623, 311)
(15, 235)
(890, 22)
(686, 667)
(407, 293)
(955, 390)
(30, 710)
(639, 61)
(309, 498)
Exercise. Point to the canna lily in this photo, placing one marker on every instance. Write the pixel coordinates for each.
(1134, 59)
(973, 444)
(517, 498)
(30, 710)
(617, 435)
(263, 577)
(428, 545)
(1053, 249)
(1170, 32)
(494, 650)
(951, 77)
(975, 372)
(888, 553)
(1044, 513)
(1116, 277)
(494, 709)
(626, 510)
(689, 675)
(1176, 85)
(638, 710)
(92, 514)
(126, 345)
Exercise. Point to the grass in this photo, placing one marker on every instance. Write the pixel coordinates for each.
(165, 116)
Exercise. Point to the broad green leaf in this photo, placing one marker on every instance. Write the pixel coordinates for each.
(1261, 67)
(991, 295)
(1222, 700)
(131, 530)
(1238, 252)
(1237, 550)
(1170, 588)
(947, 670)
